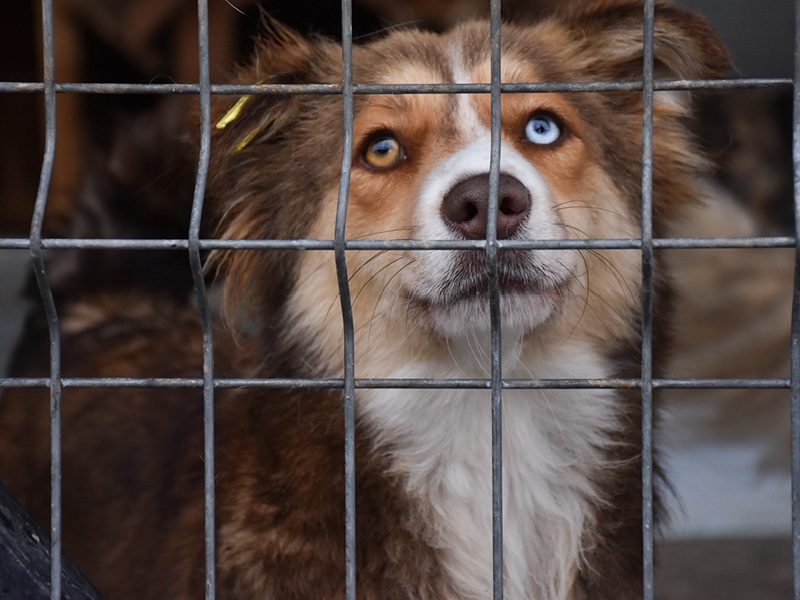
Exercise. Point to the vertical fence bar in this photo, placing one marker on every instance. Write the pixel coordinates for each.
(647, 300)
(195, 262)
(37, 223)
(494, 309)
(795, 333)
(347, 308)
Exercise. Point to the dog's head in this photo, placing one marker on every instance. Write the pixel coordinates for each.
(570, 168)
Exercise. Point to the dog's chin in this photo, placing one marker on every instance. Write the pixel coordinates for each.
(454, 301)
(521, 311)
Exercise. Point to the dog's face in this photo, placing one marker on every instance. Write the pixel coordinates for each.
(569, 169)
(421, 171)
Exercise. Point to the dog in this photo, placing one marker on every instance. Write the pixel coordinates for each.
(570, 169)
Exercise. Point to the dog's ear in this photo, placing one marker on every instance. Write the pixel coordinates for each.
(281, 56)
(607, 38)
(611, 37)
(253, 149)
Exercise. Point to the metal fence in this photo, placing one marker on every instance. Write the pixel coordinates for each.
(37, 245)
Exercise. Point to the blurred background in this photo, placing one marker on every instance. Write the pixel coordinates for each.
(727, 451)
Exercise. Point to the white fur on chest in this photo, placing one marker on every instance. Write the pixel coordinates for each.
(440, 441)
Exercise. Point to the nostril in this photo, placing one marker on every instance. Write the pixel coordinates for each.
(470, 211)
(461, 210)
(515, 203)
(514, 206)
(511, 207)
(514, 196)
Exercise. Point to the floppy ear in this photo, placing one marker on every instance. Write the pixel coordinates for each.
(608, 37)
(259, 163)
(281, 56)
(612, 36)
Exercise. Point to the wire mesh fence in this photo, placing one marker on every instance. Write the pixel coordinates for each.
(38, 245)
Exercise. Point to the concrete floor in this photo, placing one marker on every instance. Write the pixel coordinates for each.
(724, 569)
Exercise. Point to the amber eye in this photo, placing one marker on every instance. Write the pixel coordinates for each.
(383, 152)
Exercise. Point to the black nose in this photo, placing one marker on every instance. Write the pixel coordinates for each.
(465, 206)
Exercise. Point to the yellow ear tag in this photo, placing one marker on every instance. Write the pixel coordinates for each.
(232, 115)
(241, 145)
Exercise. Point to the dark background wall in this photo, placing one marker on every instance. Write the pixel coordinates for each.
(758, 33)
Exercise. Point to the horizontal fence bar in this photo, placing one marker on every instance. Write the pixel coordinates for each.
(374, 89)
(333, 383)
(211, 244)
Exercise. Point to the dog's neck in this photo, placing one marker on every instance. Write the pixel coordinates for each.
(554, 441)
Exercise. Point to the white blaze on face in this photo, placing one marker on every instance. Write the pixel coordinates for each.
(473, 159)
(432, 269)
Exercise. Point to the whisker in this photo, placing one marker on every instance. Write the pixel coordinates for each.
(383, 30)
(586, 295)
(453, 357)
(614, 271)
(396, 296)
(350, 278)
(623, 283)
(571, 203)
(544, 397)
(374, 233)
(416, 326)
(483, 360)
(380, 295)
(598, 297)
(374, 275)
(365, 263)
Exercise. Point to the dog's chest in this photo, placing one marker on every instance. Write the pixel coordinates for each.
(553, 443)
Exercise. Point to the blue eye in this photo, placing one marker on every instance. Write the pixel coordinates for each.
(542, 129)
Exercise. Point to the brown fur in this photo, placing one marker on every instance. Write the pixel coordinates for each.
(133, 475)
